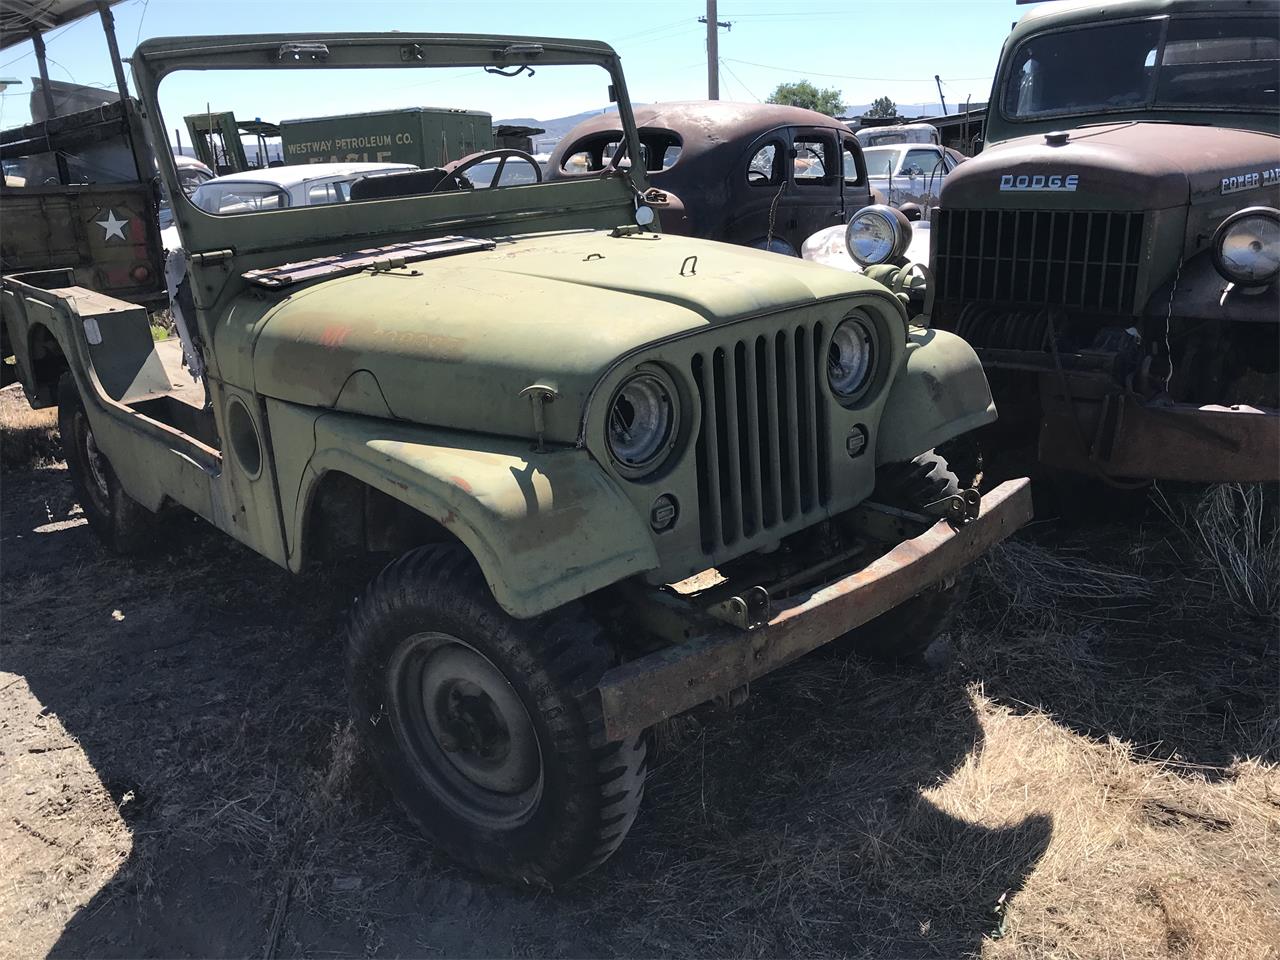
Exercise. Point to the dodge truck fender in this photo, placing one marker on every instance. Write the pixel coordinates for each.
(545, 528)
(940, 392)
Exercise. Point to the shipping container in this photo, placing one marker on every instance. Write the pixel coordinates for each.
(426, 136)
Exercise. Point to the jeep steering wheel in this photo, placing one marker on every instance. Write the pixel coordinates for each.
(455, 173)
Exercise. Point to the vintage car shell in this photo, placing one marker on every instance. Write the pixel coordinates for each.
(708, 182)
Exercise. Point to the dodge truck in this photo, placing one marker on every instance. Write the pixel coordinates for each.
(1113, 252)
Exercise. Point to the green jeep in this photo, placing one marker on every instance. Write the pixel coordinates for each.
(618, 474)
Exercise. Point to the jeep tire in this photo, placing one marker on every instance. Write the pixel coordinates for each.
(482, 725)
(905, 632)
(119, 521)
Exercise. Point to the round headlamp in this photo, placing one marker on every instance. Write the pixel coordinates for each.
(851, 358)
(1246, 247)
(877, 234)
(642, 421)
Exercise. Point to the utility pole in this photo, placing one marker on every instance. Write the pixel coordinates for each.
(938, 80)
(713, 49)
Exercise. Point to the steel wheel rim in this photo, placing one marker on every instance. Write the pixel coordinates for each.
(465, 732)
(95, 461)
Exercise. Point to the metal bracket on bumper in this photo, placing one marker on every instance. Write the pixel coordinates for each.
(638, 694)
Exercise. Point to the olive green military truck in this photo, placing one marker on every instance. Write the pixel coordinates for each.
(1114, 252)
(618, 475)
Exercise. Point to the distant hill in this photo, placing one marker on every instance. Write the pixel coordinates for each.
(555, 128)
(913, 110)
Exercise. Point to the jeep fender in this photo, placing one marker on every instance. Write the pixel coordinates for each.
(940, 392)
(546, 528)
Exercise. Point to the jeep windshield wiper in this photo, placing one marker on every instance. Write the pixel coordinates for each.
(384, 258)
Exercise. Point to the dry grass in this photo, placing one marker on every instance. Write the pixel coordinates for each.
(28, 438)
(1092, 775)
(1235, 529)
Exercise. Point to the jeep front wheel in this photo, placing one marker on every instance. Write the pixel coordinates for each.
(481, 724)
(905, 632)
(119, 521)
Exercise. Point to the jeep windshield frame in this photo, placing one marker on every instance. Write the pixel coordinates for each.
(299, 232)
(1152, 67)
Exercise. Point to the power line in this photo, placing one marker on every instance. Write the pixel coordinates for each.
(683, 21)
(138, 35)
(681, 32)
(841, 76)
(738, 80)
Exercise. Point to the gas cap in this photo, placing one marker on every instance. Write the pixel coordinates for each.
(1056, 138)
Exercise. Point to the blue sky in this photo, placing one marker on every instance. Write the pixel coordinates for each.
(864, 49)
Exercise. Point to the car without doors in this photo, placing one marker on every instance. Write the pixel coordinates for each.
(758, 174)
(616, 473)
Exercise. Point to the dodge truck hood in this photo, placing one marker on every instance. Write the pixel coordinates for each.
(1121, 166)
(452, 342)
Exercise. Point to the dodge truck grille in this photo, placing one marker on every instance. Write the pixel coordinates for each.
(762, 451)
(1072, 259)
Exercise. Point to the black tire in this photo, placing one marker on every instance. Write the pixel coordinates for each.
(448, 691)
(904, 633)
(119, 521)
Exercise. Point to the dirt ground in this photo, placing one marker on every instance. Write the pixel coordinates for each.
(1093, 772)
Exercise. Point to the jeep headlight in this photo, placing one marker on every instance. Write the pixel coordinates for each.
(851, 358)
(642, 422)
(1246, 247)
(877, 234)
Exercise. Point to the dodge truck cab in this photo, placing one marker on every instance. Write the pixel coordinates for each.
(1113, 253)
(615, 474)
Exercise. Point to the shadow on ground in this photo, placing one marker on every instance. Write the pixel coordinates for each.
(205, 687)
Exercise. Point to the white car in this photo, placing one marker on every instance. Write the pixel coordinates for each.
(298, 185)
(910, 172)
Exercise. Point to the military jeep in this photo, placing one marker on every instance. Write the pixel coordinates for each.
(619, 475)
(1113, 254)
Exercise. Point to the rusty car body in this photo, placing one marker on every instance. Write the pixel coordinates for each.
(618, 473)
(1112, 253)
(758, 174)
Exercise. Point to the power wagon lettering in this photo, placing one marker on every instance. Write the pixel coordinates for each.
(1250, 181)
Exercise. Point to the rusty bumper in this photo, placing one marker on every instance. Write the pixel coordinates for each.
(1179, 441)
(638, 694)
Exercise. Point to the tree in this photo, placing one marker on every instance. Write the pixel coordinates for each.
(883, 107)
(804, 94)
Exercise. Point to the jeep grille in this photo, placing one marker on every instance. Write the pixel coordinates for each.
(762, 452)
(1071, 259)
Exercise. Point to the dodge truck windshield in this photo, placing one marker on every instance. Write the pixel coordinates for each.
(1179, 63)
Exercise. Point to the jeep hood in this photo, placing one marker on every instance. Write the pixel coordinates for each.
(1121, 166)
(452, 342)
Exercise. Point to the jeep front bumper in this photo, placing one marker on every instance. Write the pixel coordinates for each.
(640, 693)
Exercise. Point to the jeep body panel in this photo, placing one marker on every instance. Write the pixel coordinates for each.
(454, 341)
(546, 528)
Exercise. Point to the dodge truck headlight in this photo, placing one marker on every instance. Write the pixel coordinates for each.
(1246, 247)
(877, 234)
(851, 358)
(641, 428)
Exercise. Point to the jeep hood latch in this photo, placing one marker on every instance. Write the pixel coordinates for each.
(539, 395)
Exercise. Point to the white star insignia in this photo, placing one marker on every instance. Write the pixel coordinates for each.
(112, 226)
